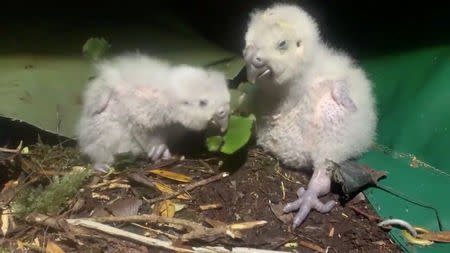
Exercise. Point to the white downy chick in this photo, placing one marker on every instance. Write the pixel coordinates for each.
(137, 103)
(313, 104)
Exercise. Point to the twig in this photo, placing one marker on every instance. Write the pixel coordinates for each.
(73, 226)
(141, 179)
(279, 244)
(106, 182)
(173, 237)
(189, 187)
(158, 243)
(57, 224)
(78, 227)
(154, 242)
(122, 233)
(218, 249)
(163, 163)
(151, 218)
(210, 169)
(368, 216)
(196, 231)
(210, 206)
(8, 150)
(247, 225)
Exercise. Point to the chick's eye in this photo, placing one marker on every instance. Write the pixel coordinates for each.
(203, 103)
(282, 44)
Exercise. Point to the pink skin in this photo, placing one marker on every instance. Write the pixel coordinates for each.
(330, 111)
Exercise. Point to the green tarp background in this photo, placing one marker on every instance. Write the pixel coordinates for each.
(413, 94)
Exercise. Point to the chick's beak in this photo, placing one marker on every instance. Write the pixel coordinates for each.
(220, 122)
(256, 64)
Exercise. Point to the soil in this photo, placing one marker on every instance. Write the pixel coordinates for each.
(257, 189)
(254, 192)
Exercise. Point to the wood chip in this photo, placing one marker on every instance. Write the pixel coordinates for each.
(8, 224)
(115, 186)
(53, 248)
(107, 182)
(311, 246)
(247, 225)
(96, 195)
(210, 206)
(331, 233)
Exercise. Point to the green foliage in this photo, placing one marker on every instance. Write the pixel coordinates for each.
(213, 143)
(236, 98)
(50, 199)
(239, 126)
(95, 48)
(240, 98)
(238, 134)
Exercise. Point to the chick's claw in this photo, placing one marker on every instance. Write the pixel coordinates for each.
(101, 167)
(159, 152)
(307, 200)
(166, 155)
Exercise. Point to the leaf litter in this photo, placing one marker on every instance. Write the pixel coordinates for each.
(134, 211)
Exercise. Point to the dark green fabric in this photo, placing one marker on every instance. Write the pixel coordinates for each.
(413, 96)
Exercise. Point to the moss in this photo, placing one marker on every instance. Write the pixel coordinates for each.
(49, 199)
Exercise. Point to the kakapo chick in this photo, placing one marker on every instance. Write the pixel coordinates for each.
(313, 104)
(136, 103)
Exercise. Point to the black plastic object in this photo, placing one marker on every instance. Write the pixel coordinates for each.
(353, 177)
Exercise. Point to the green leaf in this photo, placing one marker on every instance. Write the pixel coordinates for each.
(238, 134)
(243, 99)
(95, 48)
(236, 98)
(213, 143)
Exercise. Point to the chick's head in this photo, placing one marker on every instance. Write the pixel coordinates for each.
(201, 97)
(278, 43)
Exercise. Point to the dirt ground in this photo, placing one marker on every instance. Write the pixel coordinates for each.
(257, 189)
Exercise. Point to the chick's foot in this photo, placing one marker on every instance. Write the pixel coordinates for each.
(309, 199)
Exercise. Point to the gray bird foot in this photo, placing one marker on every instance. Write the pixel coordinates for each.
(307, 200)
(159, 152)
(102, 167)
